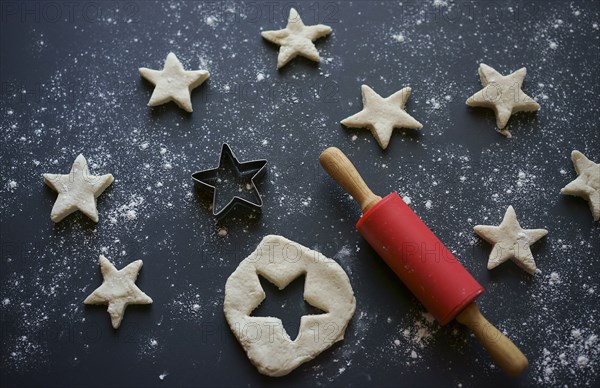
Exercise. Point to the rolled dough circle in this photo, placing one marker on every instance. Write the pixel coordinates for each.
(264, 339)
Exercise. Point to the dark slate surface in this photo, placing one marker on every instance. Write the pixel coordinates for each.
(70, 85)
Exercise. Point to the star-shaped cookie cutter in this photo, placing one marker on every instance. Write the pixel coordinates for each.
(211, 178)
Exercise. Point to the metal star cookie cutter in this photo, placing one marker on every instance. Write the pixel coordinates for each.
(229, 174)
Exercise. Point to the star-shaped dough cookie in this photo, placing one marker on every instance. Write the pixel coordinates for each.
(118, 290)
(503, 95)
(510, 241)
(77, 190)
(587, 184)
(173, 83)
(296, 39)
(382, 115)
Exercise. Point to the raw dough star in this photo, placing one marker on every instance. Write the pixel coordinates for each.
(264, 339)
(510, 241)
(77, 190)
(503, 95)
(587, 184)
(173, 83)
(296, 39)
(382, 115)
(118, 290)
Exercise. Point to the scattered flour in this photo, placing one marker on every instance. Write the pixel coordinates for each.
(399, 37)
(565, 353)
(422, 330)
(11, 185)
(211, 21)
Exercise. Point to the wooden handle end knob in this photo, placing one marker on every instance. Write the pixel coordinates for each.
(503, 350)
(341, 169)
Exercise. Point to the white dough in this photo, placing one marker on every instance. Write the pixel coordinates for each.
(511, 242)
(382, 115)
(264, 339)
(77, 190)
(296, 39)
(587, 184)
(173, 83)
(503, 94)
(118, 290)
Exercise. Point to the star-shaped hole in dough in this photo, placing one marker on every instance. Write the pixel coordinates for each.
(382, 115)
(326, 287)
(77, 190)
(587, 184)
(511, 242)
(287, 304)
(118, 290)
(503, 94)
(296, 39)
(173, 83)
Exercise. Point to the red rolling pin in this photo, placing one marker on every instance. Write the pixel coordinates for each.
(421, 261)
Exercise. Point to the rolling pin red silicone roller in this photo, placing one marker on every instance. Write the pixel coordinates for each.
(421, 261)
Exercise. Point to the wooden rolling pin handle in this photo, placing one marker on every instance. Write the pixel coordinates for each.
(503, 351)
(341, 169)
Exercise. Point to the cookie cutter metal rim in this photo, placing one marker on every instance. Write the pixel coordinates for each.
(257, 164)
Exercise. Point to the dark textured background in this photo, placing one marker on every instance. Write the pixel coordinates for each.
(70, 85)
